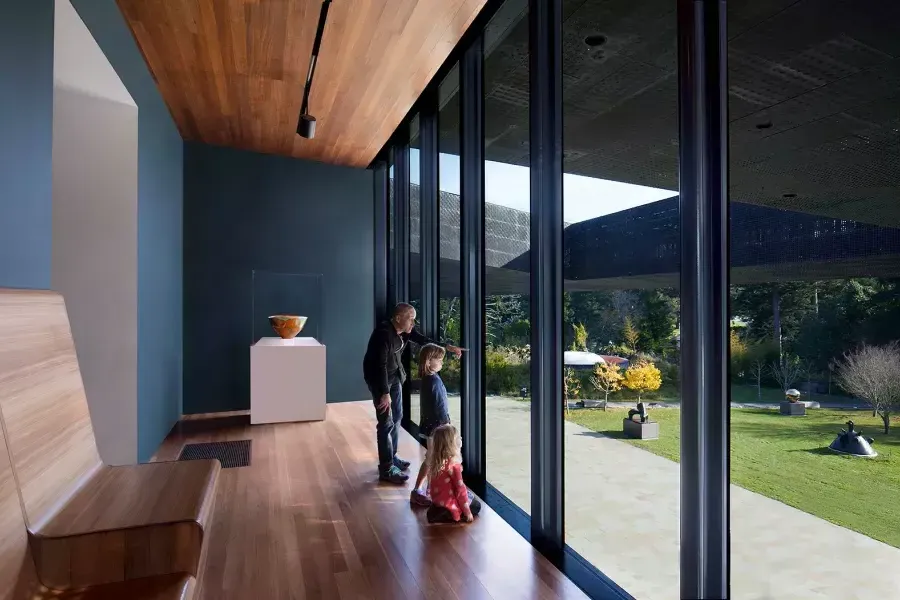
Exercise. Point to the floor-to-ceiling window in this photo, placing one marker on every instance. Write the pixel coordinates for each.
(507, 376)
(621, 299)
(813, 89)
(814, 173)
(415, 259)
(449, 300)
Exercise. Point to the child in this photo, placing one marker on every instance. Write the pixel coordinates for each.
(434, 411)
(451, 501)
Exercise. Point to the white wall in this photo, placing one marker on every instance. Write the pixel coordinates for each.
(94, 261)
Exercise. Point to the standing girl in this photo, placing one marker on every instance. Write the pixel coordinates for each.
(433, 409)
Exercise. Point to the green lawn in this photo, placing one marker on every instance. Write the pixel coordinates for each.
(743, 394)
(787, 458)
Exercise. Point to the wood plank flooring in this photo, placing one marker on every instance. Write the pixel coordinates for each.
(309, 519)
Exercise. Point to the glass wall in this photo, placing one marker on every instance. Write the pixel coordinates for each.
(621, 300)
(812, 88)
(507, 263)
(449, 301)
(814, 172)
(415, 262)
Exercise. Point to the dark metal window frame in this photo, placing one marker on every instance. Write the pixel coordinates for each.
(704, 284)
(471, 76)
(381, 238)
(705, 389)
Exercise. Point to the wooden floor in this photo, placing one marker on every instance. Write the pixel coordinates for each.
(309, 519)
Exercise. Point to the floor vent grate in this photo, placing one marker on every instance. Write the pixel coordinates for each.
(230, 454)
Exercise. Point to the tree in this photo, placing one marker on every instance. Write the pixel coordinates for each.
(658, 322)
(643, 377)
(607, 378)
(873, 373)
(787, 372)
(757, 369)
(602, 313)
(448, 316)
(579, 343)
(571, 387)
(739, 355)
(630, 335)
(771, 306)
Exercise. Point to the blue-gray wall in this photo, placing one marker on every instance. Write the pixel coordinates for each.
(160, 189)
(245, 211)
(26, 142)
(26, 138)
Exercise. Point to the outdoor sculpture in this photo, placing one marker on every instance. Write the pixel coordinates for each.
(640, 411)
(852, 442)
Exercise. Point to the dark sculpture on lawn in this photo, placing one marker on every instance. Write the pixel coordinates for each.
(640, 411)
(852, 442)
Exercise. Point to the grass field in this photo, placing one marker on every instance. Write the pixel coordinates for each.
(787, 458)
(743, 394)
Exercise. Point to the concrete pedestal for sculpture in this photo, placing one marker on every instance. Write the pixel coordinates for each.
(640, 431)
(793, 409)
(287, 380)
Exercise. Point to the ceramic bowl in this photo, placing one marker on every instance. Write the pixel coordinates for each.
(287, 326)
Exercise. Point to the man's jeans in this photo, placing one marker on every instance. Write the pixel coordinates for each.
(387, 431)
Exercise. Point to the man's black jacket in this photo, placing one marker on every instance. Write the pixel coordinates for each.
(382, 365)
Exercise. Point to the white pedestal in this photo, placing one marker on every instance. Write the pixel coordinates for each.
(287, 380)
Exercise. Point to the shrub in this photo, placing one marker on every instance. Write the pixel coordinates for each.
(642, 377)
(506, 370)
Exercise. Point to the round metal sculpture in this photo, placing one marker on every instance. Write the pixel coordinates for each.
(853, 443)
(792, 395)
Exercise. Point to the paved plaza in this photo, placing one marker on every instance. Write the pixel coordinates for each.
(622, 514)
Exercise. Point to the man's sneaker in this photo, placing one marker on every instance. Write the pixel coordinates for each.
(393, 475)
(418, 498)
(401, 464)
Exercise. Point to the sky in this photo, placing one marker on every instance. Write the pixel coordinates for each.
(509, 185)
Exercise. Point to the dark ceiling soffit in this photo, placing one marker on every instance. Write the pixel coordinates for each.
(477, 27)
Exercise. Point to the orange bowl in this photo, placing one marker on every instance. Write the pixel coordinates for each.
(287, 326)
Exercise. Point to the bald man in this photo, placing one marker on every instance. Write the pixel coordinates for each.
(384, 374)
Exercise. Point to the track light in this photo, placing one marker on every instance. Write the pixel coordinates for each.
(306, 124)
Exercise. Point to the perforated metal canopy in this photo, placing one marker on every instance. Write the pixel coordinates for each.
(814, 91)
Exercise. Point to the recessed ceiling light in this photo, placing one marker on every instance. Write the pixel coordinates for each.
(766, 125)
(594, 40)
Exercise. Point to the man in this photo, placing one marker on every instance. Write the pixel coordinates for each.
(384, 374)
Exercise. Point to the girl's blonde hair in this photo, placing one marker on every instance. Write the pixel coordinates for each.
(443, 448)
(428, 352)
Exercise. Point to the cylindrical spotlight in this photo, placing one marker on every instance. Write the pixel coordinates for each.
(306, 126)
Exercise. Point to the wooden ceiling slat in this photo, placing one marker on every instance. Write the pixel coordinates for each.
(232, 71)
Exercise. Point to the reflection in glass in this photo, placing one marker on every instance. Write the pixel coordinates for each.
(507, 264)
(814, 172)
(621, 300)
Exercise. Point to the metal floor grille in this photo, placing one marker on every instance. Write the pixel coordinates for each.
(230, 454)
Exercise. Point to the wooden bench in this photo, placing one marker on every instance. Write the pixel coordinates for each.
(88, 523)
(18, 575)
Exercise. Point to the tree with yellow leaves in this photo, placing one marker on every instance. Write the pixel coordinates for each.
(607, 378)
(642, 377)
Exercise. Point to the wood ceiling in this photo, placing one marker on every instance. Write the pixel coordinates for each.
(232, 71)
